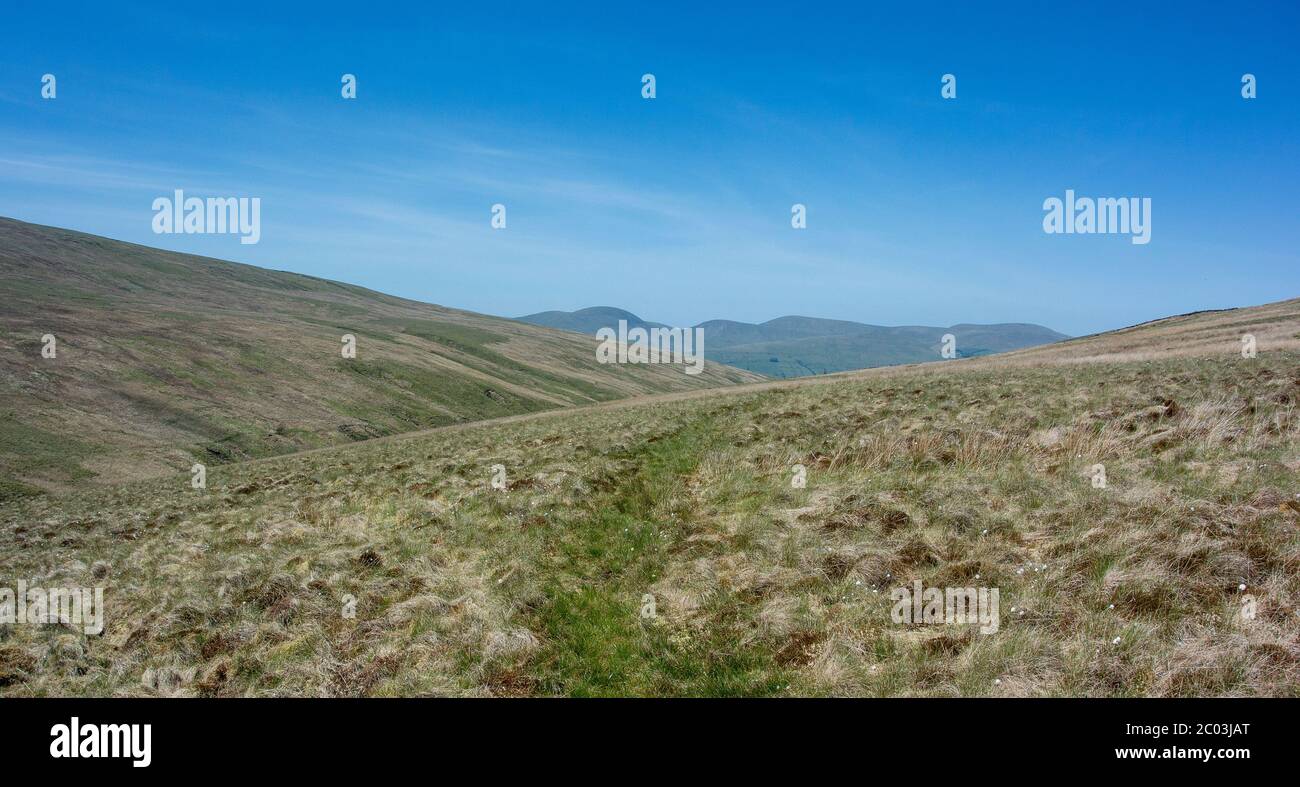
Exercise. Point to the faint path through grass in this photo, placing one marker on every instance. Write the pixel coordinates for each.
(608, 554)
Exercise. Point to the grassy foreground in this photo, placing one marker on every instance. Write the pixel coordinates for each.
(395, 567)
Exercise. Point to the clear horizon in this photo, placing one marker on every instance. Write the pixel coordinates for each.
(920, 210)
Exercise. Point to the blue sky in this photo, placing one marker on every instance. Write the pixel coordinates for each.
(920, 210)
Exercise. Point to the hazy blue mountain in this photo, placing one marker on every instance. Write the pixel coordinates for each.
(588, 320)
(797, 346)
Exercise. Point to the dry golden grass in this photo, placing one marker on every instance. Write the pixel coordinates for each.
(970, 473)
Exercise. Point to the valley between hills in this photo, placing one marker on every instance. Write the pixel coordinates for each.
(661, 545)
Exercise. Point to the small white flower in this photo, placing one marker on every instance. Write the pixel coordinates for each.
(997, 682)
(1115, 641)
(1241, 587)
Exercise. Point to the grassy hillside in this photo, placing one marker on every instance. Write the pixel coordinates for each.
(164, 359)
(800, 346)
(968, 473)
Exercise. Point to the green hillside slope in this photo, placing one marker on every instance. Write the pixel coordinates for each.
(163, 359)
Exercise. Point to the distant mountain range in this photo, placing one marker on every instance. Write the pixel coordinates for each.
(800, 346)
